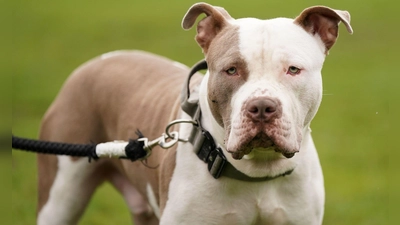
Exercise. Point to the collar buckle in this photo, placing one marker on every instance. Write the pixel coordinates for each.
(210, 154)
(216, 162)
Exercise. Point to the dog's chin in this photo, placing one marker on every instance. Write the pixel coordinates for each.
(268, 153)
(261, 145)
(265, 154)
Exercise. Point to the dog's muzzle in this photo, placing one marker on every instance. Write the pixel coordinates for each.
(260, 127)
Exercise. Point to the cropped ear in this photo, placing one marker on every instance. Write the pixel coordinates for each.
(324, 21)
(217, 18)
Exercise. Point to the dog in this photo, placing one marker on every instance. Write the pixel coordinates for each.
(256, 101)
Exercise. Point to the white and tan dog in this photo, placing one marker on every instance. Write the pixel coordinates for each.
(262, 89)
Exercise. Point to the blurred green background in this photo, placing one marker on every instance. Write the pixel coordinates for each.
(354, 129)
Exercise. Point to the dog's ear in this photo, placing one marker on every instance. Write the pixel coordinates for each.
(324, 21)
(217, 18)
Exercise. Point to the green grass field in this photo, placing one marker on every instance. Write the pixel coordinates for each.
(354, 129)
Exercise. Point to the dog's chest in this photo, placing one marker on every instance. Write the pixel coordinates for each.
(232, 203)
(194, 198)
(254, 209)
(256, 204)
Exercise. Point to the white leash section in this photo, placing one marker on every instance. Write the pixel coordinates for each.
(111, 149)
(118, 149)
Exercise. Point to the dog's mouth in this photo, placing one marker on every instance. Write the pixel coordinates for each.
(261, 142)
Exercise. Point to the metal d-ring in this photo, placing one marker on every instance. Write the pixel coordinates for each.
(169, 135)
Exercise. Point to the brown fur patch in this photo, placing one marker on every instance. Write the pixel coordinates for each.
(47, 170)
(324, 21)
(208, 28)
(222, 86)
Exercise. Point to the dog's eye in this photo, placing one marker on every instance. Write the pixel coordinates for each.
(293, 70)
(231, 71)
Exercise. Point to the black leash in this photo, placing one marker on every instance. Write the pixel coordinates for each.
(134, 149)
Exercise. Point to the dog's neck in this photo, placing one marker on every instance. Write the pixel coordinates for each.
(208, 122)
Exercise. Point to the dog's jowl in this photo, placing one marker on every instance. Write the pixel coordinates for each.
(256, 101)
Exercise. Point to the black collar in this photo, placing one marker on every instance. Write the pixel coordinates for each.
(204, 144)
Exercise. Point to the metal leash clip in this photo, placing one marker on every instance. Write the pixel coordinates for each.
(161, 141)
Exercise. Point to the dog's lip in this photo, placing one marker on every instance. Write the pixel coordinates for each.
(260, 143)
(240, 154)
(288, 154)
(273, 148)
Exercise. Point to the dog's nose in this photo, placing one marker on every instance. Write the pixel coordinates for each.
(262, 109)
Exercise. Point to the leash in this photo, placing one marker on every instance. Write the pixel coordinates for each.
(137, 149)
(141, 148)
(92, 151)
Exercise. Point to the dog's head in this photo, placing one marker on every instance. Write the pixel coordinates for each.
(264, 79)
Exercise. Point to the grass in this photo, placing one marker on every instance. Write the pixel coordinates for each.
(354, 129)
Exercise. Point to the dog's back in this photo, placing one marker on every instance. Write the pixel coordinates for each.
(109, 98)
